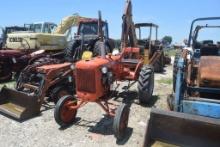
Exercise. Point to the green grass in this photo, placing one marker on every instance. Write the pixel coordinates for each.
(10, 84)
(171, 52)
(168, 81)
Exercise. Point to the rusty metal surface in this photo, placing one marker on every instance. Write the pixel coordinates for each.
(182, 129)
(48, 68)
(155, 57)
(209, 71)
(86, 80)
(18, 104)
(12, 53)
(26, 101)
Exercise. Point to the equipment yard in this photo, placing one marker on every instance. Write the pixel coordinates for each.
(132, 76)
(91, 128)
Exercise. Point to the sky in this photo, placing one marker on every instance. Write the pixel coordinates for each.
(173, 16)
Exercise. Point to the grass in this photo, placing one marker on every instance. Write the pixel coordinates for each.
(171, 52)
(10, 84)
(168, 81)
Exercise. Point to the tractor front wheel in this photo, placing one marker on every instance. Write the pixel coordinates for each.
(120, 123)
(63, 114)
(145, 84)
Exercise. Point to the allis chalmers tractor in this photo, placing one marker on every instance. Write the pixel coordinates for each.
(196, 102)
(46, 79)
(94, 77)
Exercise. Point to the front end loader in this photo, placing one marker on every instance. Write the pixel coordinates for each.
(35, 87)
(194, 119)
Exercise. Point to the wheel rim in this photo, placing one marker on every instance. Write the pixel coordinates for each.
(66, 114)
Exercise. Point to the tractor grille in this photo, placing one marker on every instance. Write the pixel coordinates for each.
(86, 80)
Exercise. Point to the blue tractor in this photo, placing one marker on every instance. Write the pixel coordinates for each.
(195, 104)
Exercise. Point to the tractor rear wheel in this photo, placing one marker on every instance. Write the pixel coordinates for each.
(177, 56)
(120, 123)
(63, 114)
(159, 64)
(145, 84)
(98, 46)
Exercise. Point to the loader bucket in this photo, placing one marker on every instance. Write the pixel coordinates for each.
(182, 129)
(18, 105)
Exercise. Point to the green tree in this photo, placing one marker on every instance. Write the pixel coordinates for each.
(167, 40)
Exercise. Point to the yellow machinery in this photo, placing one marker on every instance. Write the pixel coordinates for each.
(44, 35)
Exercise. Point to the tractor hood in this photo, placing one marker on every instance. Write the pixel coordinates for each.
(45, 41)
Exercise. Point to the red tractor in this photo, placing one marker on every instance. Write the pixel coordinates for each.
(94, 77)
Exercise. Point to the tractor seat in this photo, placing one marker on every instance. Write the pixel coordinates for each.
(209, 71)
(47, 68)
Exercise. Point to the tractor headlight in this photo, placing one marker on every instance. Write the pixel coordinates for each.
(72, 66)
(104, 70)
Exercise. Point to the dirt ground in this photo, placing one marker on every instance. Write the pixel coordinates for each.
(91, 128)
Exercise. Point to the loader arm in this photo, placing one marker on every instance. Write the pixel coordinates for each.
(66, 23)
(128, 37)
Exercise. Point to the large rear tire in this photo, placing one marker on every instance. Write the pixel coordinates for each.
(145, 84)
(120, 123)
(62, 114)
(159, 64)
(97, 48)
